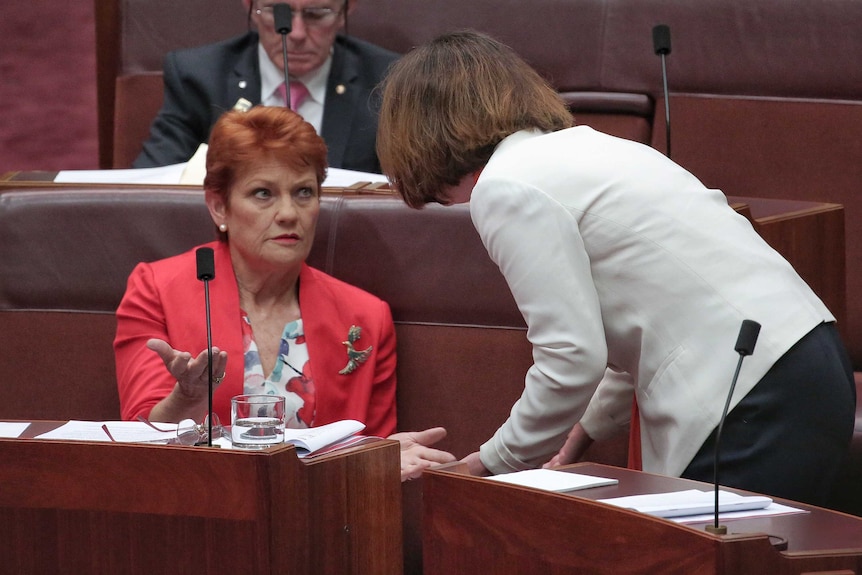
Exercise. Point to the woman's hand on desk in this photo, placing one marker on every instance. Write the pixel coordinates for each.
(574, 448)
(475, 465)
(416, 456)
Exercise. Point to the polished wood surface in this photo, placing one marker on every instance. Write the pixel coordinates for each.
(472, 525)
(84, 507)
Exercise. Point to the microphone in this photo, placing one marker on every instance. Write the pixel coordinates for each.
(206, 265)
(661, 45)
(206, 273)
(748, 333)
(283, 20)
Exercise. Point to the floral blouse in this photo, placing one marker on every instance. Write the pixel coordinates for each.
(291, 376)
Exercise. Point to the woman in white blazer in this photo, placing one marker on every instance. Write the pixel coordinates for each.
(633, 279)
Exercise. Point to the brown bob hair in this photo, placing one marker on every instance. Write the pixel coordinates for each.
(241, 137)
(447, 104)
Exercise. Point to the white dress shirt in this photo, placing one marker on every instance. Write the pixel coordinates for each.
(311, 108)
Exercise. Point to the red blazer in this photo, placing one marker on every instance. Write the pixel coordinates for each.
(165, 300)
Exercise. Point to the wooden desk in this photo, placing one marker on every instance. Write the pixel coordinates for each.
(472, 525)
(83, 507)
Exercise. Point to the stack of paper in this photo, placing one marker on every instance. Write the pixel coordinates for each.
(551, 480)
(691, 502)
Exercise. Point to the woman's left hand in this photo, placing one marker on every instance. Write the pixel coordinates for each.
(416, 456)
(571, 452)
(475, 465)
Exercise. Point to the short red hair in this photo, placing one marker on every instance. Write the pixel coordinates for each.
(241, 137)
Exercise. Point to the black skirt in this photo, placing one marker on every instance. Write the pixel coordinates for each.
(789, 436)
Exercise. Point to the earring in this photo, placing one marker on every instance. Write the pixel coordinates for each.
(222, 228)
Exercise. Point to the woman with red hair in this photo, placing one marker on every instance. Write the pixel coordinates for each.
(281, 323)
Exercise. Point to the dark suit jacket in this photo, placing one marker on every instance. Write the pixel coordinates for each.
(201, 83)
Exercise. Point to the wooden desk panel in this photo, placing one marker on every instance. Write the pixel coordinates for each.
(81, 507)
(471, 525)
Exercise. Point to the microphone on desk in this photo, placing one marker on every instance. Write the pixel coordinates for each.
(282, 15)
(661, 45)
(745, 342)
(206, 272)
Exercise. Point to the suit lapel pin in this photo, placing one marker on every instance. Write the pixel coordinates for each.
(340, 89)
(354, 356)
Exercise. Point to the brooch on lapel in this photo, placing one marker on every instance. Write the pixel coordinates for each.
(354, 356)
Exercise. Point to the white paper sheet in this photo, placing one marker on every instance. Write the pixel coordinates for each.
(167, 175)
(173, 175)
(693, 505)
(771, 509)
(10, 429)
(121, 431)
(552, 480)
(339, 178)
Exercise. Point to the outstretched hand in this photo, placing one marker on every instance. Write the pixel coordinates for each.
(416, 456)
(191, 373)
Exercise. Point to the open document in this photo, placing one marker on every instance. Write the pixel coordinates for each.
(314, 439)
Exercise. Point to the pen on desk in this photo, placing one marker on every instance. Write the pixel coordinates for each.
(107, 432)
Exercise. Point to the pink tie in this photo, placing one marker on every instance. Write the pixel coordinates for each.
(298, 93)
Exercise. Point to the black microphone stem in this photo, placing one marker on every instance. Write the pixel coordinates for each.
(286, 80)
(716, 528)
(661, 46)
(282, 16)
(206, 272)
(745, 342)
(666, 103)
(209, 365)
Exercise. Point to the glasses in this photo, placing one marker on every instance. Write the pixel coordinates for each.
(312, 16)
(189, 432)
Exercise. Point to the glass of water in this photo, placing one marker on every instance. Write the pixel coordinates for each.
(257, 421)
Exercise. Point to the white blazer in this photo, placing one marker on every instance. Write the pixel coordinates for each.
(630, 274)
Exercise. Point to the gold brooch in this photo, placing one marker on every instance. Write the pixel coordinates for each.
(354, 356)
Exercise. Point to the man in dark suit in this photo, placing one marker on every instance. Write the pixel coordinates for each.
(338, 73)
